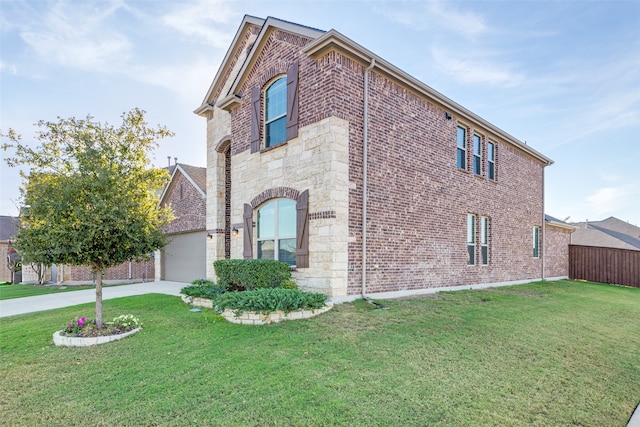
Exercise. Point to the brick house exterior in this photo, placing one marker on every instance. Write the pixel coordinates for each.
(183, 259)
(450, 199)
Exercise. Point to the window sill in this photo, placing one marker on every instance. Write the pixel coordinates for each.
(273, 147)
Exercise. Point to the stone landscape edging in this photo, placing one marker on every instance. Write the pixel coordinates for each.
(64, 341)
(253, 318)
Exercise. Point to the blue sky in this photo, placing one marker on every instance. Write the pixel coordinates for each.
(562, 76)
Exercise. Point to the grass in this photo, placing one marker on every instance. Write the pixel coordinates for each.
(30, 290)
(552, 353)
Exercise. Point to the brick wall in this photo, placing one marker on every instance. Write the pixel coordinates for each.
(139, 271)
(556, 246)
(188, 204)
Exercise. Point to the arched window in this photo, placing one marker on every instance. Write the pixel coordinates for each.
(275, 116)
(277, 230)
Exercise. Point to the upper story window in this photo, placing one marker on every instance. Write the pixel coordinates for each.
(275, 112)
(491, 160)
(277, 230)
(275, 121)
(462, 148)
(477, 155)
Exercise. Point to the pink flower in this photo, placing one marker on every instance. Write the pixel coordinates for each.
(70, 325)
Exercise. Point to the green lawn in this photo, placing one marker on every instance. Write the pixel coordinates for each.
(559, 353)
(28, 290)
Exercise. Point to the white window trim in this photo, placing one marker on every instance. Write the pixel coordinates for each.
(471, 238)
(267, 122)
(484, 238)
(276, 238)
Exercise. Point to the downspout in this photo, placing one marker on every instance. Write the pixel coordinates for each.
(365, 140)
(544, 228)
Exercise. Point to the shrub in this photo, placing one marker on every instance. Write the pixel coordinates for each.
(202, 282)
(203, 291)
(250, 274)
(288, 284)
(267, 300)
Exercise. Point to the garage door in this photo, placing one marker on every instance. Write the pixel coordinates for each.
(184, 258)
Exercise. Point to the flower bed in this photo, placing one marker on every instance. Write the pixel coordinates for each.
(66, 341)
(253, 318)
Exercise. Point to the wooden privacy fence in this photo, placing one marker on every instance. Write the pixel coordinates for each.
(605, 265)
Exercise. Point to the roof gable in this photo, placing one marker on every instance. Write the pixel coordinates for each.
(197, 176)
(245, 61)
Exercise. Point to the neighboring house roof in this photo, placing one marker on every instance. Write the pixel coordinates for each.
(321, 43)
(8, 227)
(196, 175)
(609, 233)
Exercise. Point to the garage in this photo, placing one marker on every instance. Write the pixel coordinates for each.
(183, 259)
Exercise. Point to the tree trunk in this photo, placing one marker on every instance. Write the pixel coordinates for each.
(98, 275)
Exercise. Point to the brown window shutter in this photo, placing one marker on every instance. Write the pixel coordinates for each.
(292, 101)
(247, 252)
(302, 230)
(255, 119)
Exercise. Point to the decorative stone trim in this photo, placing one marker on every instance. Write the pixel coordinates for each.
(251, 318)
(275, 193)
(64, 341)
(322, 215)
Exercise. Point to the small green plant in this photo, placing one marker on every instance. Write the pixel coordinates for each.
(268, 300)
(250, 274)
(202, 282)
(288, 284)
(208, 291)
(78, 327)
(84, 327)
(126, 322)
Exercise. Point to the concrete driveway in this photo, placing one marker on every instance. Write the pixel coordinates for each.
(13, 307)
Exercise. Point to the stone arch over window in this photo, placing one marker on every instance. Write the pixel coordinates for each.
(301, 221)
(223, 144)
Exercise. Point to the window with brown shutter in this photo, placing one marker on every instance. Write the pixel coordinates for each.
(302, 230)
(292, 101)
(247, 218)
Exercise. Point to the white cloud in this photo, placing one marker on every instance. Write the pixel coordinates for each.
(10, 68)
(472, 70)
(436, 14)
(610, 200)
(76, 35)
(202, 20)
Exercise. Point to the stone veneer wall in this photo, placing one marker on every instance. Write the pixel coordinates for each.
(316, 161)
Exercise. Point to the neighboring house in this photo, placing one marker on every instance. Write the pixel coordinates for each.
(608, 233)
(183, 259)
(8, 229)
(308, 133)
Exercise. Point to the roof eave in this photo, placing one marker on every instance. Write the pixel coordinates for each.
(334, 40)
(248, 19)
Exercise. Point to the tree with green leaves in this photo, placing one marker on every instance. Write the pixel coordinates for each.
(91, 195)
